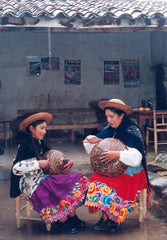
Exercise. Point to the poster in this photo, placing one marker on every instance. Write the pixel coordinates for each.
(111, 72)
(130, 70)
(50, 63)
(33, 65)
(55, 63)
(45, 63)
(72, 71)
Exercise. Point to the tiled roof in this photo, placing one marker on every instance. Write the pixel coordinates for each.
(90, 11)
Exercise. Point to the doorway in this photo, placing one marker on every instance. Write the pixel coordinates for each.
(160, 87)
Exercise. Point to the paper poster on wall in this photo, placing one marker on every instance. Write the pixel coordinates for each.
(33, 64)
(130, 70)
(50, 63)
(72, 71)
(111, 72)
(55, 63)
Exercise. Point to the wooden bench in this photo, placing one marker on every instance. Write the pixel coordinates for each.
(69, 118)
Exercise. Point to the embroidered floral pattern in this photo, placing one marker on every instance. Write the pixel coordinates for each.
(100, 196)
(73, 199)
(135, 131)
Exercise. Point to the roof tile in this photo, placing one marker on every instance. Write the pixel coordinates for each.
(85, 8)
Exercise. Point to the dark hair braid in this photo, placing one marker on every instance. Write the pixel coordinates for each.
(38, 156)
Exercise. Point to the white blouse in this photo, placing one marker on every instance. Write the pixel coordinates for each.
(31, 175)
(131, 157)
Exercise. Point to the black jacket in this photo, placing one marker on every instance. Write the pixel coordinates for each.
(26, 150)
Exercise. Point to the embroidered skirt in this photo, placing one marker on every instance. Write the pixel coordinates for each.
(58, 195)
(116, 196)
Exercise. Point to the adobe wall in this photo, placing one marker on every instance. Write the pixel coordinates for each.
(18, 91)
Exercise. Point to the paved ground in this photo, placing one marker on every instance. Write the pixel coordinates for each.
(151, 229)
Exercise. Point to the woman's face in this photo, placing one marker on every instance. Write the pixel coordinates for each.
(113, 118)
(39, 131)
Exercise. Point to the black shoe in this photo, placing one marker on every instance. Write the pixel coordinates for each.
(78, 223)
(114, 227)
(56, 227)
(68, 227)
(101, 225)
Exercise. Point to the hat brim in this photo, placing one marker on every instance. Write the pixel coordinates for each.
(37, 116)
(104, 104)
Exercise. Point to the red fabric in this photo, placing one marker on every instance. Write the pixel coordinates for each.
(125, 185)
(116, 196)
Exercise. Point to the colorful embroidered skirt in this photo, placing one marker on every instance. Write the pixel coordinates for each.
(116, 196)
(58, 195)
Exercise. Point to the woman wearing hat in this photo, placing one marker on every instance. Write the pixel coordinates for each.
(123, 190)
(55, 197)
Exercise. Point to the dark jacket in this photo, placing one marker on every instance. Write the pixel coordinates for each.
(26, 150)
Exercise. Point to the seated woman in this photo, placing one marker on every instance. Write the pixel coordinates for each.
(116, 196)
(55, 197)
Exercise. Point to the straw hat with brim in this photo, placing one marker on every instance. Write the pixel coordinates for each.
(37, 116)
(116, 103)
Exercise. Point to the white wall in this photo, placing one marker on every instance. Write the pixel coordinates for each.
(21, 92)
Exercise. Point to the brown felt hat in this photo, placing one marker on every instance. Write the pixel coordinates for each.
(116, 103)
(34, 117)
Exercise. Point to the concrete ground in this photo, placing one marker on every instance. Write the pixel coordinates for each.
(151, 229)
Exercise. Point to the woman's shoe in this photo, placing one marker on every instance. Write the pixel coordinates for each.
(77, 222)
(68, 227)
(101, 225)
(114, 227)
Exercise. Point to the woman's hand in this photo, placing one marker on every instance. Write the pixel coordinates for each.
(93, 139)
(108, 156)
(44, 164)
(67, 166)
